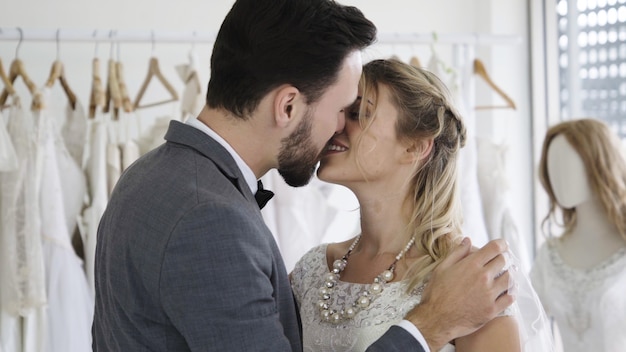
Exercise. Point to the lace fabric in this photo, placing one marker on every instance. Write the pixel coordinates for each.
(587, 305)
(21, 258)
(366, 327)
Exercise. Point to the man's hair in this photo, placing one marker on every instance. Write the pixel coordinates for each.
(263, 44)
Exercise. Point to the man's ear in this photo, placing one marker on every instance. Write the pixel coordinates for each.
(285, 103)
(419, 150)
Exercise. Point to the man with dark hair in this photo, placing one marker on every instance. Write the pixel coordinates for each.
(184, 261)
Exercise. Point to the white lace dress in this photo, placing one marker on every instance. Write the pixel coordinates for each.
(22, 270)
(589, 306)
(62, 190)
(367, 326)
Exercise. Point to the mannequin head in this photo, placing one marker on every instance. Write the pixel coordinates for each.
(567, 173)
(580, 160)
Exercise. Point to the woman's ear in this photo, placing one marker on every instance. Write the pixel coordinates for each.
(419, 150)
(285, 103)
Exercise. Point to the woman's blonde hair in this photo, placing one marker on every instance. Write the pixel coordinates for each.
(425, 111)
(603, 158)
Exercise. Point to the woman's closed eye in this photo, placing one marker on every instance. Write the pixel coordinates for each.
(353, 114)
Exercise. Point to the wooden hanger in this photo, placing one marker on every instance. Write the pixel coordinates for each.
(17, 70)
(57, 72)
(415, 62)
(112, 94)
(155, 71)
(479, 69)
(127, 105)
(5, 79)
(98, 95)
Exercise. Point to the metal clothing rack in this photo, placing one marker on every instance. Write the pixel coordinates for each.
(464, 45)
(164, 36)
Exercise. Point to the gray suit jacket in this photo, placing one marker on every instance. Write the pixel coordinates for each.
(184, 261)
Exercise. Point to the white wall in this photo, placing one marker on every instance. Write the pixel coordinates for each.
(508, 65)
(510, 68)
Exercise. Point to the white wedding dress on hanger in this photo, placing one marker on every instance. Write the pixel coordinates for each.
(96, 171)
(70, 303)
(23, 299)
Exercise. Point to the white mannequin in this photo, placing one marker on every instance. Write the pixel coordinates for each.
(595, 237)
(580, 276)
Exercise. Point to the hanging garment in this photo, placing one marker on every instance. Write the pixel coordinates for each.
(495, 195)
(129, 132)
(70, 304)
(74, 184)
(114, 165)
(96, 171)
(8, 159)
(122, 149)
(130, 153)
(22, 274)
(192, 100)
(297, 217)
(74, 132)
(155, 136)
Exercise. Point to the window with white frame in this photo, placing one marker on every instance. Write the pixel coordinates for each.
(592, 60)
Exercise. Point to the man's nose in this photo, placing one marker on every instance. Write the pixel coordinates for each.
(341, 122)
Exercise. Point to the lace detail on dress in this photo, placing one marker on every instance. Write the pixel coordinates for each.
(21, 259)
(588, 304)
(588, 278)
(366, 327)
(578, 283)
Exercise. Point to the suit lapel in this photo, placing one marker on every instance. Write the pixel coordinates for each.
(192, 137)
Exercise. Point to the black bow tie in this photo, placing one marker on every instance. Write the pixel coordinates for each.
(262, 196)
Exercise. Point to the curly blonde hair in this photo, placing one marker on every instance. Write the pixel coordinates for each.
(603, 158)
(425, 111)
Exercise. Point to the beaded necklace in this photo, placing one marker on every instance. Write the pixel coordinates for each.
(336, 315)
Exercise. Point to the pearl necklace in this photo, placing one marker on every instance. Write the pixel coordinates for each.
(338, 315)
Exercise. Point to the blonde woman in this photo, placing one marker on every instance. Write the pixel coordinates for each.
(398, 154)
(580, 275)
